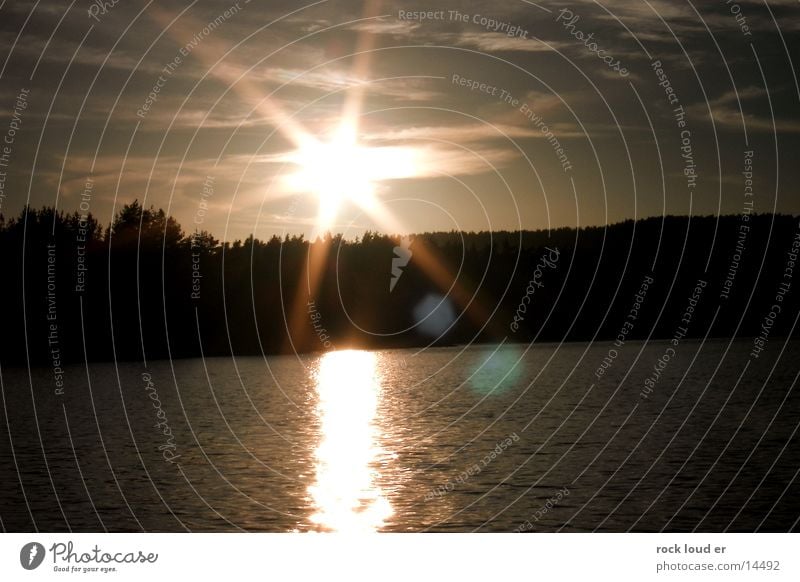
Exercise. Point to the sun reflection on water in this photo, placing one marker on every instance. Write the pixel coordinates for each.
(345, 493)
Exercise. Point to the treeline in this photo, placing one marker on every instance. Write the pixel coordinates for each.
(143, 287)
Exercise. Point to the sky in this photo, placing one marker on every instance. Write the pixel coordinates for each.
(459, 115)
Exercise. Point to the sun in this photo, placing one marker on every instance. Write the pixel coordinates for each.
(336, 172)
(339, 171)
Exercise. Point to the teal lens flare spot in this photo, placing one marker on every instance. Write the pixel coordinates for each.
(496, 370)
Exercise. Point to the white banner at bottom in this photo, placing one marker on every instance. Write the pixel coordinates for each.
(619, 557)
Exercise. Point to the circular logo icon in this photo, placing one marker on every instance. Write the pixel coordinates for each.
(31, 555)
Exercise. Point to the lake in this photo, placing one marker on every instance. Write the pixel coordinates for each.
(473, 438)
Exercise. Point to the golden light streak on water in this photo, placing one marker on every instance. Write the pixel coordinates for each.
(345, 492)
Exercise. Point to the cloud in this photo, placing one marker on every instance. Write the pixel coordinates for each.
(389, 27)
(726, 113)
(481, 40)
(647, 16)
(499, 42)
(331, 80)
(436, 156)
(468, 133)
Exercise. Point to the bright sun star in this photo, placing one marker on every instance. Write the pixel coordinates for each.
(340, 171)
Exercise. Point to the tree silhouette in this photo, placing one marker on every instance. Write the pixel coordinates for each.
(142, 287)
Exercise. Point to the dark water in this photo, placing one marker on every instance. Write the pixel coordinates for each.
(450, 439)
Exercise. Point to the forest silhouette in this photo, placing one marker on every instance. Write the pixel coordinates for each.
(141, 286)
